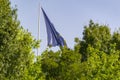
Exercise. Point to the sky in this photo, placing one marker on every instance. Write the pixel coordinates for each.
(68, 16)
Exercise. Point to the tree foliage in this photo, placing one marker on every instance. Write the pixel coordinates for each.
(16, 45)
(95, 57)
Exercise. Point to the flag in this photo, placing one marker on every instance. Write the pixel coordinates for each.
(54, 38)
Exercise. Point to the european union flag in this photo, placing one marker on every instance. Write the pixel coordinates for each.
(54, 38)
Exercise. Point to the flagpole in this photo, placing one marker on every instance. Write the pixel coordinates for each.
(38, 35)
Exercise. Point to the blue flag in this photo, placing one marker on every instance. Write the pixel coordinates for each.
(54, 38)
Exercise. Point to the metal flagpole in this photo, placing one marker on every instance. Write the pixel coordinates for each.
(38, 36)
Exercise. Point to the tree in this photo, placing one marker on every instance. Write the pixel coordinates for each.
(61, 65)
(95, 57)
(100, 53)
(16, 45)
(97, 36)
(116, 39)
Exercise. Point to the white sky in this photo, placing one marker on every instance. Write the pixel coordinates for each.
(68, 16)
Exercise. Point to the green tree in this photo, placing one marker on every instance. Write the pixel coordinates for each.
(100, 53)
(116, 39)
(96, 57)
(97, 36)
(16, 45)
(35, 72)
(61, 65)
(102, 66)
